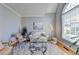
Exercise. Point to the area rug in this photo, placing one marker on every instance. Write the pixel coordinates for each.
(23, 49)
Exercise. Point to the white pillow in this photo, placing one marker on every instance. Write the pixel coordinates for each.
(19, 36)
(12, 39)
(43, 39)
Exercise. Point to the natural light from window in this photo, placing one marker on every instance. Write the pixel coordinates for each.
(70, 22)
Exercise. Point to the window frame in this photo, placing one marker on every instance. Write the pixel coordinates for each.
(63, 19)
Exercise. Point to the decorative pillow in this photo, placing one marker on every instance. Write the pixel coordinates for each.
(12, 39)
(1, 46)
(43, 39)
(19, 37)
(42, 34)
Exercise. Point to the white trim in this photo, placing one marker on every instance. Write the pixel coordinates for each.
(11, 9)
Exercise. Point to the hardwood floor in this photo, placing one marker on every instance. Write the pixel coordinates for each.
(66, 50)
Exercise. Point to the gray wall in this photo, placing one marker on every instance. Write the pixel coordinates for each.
(46, 20)
(59, 23)
(9, 23)
(59, 20)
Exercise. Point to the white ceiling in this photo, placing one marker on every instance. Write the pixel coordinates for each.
(33, 9)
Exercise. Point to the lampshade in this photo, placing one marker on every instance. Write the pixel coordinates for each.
(50, 28)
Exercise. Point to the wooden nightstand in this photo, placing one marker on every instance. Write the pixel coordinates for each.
(52, 40)
(49, 39)
(6, 49)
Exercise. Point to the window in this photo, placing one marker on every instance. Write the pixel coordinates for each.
(70, 22)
